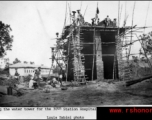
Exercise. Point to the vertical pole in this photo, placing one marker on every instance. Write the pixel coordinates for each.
(68, 60)
(131, 31)
(114, 68)
(117, 42)
(93, 54)
(51, 65)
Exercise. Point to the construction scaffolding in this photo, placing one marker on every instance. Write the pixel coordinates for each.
(110, 43)
(78, 59)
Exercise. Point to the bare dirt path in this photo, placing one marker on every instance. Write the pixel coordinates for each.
(98, 94)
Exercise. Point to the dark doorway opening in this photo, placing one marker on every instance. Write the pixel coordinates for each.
(108, 66)
(87, 37)
(108, 53)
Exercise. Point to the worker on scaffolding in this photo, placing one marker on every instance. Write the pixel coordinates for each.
(80, 18)
(73, 18)
(93, 21)
(114, 22)
(98, 21)
(107, 21)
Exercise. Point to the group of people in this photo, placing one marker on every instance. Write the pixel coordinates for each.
(107, 21)
(35, 81)
(79, 20)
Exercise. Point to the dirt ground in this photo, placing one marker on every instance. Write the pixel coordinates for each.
(94, 94)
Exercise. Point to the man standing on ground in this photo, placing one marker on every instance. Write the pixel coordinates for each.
(31, 83)
(37, 75)
(16, 75)
(60, 78)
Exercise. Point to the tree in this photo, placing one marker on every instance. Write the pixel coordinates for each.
(5, 38)
(6, 69)
(25, 62)
(31, 62)
(16, 61)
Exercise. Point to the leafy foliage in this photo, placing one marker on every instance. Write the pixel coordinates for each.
(11, 82)
(27, 78)
(16, 61)
(146, 43)
(25, 62)
(31, 62)
(5, 38)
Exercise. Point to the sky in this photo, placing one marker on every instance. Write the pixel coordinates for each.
(35, 23)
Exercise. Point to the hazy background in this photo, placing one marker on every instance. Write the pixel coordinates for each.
(35, 23)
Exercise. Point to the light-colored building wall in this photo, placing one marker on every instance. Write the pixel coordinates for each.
(19, 70)
(28, 71)
(46, 71)
(3, 62)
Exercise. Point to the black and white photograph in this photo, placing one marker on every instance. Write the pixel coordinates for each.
(75, 53)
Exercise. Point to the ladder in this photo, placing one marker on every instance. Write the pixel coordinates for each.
(127, 74)
(78, 60)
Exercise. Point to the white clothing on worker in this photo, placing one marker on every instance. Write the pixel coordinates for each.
(31, 82)
(54, 80)
(108, 20)
(73, 18)
(60, 76)
(37, 74)
(15, 76)
(80, 19)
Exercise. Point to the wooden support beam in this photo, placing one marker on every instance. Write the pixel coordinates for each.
(88, 54)
(87, 43)
(85, 69)
(108, 42)
(105, 55)
(109, 30)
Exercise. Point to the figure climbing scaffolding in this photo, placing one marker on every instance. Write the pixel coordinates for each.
(80, 18)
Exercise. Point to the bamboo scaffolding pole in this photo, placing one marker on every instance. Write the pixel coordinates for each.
(147, 15)
(68, 60)
(131, 30)
(114, 63)
(93, 55)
